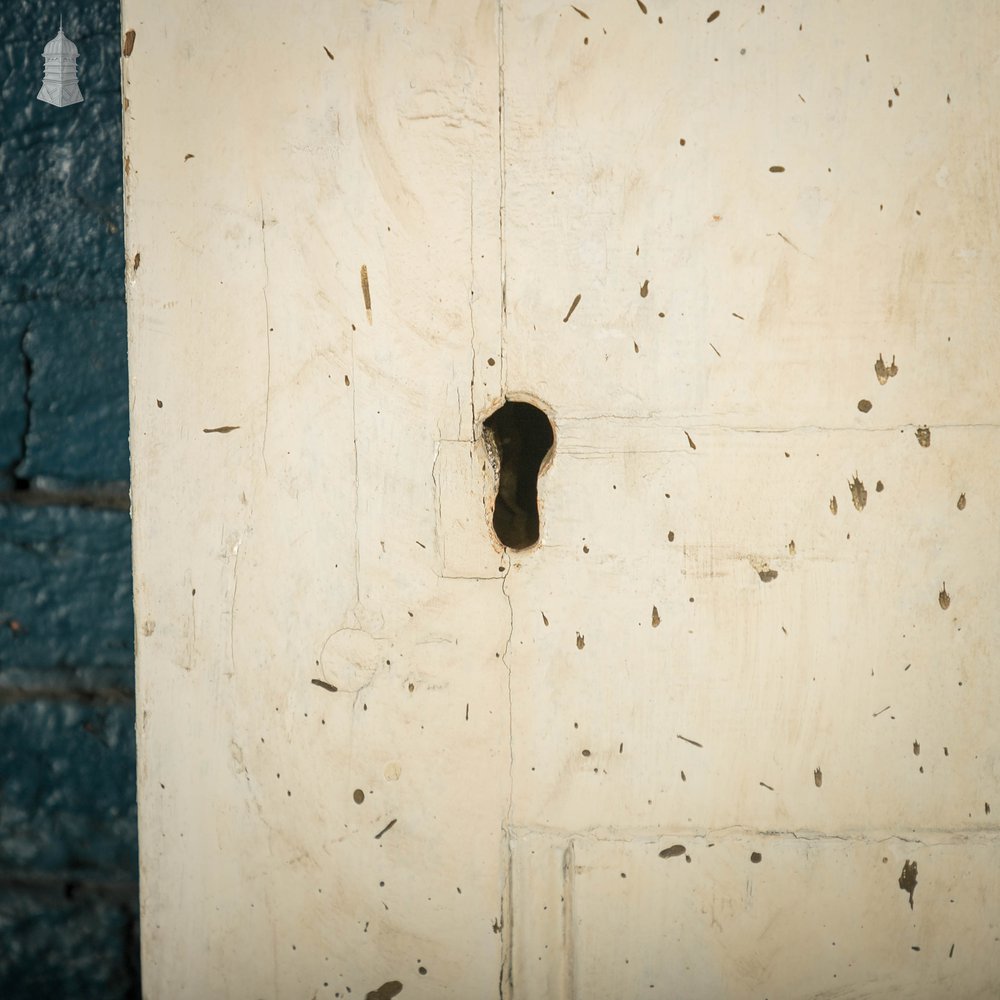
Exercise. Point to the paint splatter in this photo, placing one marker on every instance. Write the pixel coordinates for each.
(366, 292)
(756, 857)
(575, 303)
(580, 643)
(944, 598)
(674, 851)
(644, 288)
(908, 879)
(713, 16)
(858, 492)
(656, 617)
(961, 502)
(691, 443)
(833, 505)
(777, 169)
(327, 51)
(865, 405)
(582, 13)
(924, 436)
(818, 777)
(225, 429)
(883, 371)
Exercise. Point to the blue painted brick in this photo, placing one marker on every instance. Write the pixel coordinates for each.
(65, 597)
(78, 393)
(82, 948)
(13, 389)
(67, 789)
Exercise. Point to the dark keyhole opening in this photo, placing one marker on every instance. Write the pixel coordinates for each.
(522, 436)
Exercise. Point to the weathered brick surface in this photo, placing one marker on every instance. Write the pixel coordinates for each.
(67, 789)
(67, 945)
(65, 597)
(78, 393)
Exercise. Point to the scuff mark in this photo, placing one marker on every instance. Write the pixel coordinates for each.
(267, 338)
(366, 292)
(572, 307)
(884, 372)
(908, 879)
(858, 492)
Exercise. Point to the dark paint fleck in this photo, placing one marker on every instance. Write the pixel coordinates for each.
(575, 303)
(327, 51)
(818, 777)
(675, 851)
(776, 169)
(323, 684)
(582, 13)
(129, 42)
(908, 879)
(924, 436)
(359, 796)
(865, 405)
(686, 740)
(713, 16)
(225, 429)
(385, 829)
(755, 858)
(386, 991)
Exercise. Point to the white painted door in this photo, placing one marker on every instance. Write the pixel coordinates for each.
(727, 729)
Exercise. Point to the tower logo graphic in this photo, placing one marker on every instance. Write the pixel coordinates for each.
(60, 86)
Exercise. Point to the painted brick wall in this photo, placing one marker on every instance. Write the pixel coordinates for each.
(68, 872)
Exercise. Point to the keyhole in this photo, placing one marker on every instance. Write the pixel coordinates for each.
(521, 436)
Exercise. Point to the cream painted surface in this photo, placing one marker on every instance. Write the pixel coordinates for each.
(685, 747)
